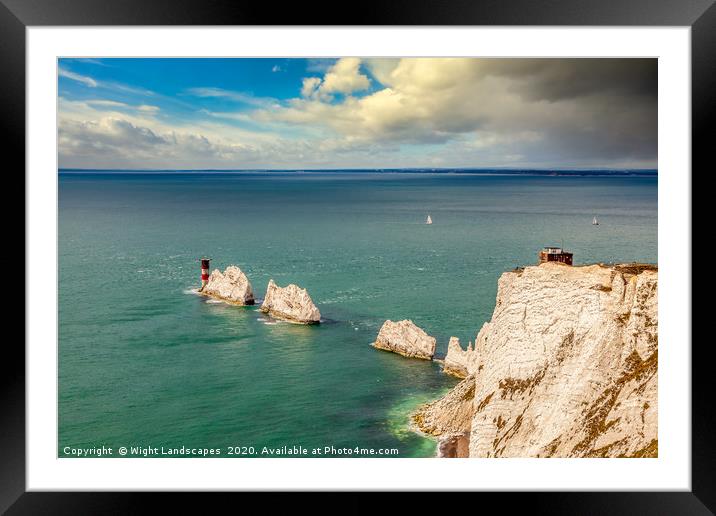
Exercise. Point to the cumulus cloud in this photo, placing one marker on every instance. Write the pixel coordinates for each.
(343, 77)
(310, 86)
(589, 109)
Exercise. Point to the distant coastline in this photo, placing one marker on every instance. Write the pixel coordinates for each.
(471, 171)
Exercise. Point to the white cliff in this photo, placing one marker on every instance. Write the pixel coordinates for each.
(566, 367)
(290, 303)
(405, 338)
(232, 286)
(449, 418)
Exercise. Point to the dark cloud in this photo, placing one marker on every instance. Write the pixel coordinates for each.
(559, 79)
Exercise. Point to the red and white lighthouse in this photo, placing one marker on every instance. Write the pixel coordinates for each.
(205, 263)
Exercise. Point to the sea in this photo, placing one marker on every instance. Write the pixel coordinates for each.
(145, 363)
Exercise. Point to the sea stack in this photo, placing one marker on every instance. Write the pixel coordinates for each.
(231, 286)
(457, 361)
(405, 338)
(566, 367)
(290, 303)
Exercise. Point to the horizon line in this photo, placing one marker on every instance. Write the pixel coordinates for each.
(375, 169)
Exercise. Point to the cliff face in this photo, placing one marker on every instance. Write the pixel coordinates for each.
(232, 286)
(567, 367)
(290, 303)
(405, 338)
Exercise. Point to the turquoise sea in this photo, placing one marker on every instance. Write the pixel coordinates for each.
(145, 362)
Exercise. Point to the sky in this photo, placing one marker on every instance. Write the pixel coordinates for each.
(342, 113)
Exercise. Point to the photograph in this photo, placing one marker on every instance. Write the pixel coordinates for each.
(357, 257)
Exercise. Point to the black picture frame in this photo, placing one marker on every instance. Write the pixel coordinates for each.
(17, 15)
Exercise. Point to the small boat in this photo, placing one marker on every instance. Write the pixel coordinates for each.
(429, 220)
(595, 222)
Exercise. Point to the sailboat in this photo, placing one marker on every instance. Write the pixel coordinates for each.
(429, 220)
(595, 222)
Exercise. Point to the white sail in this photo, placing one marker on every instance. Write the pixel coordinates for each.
(595, 222)
(429, 220)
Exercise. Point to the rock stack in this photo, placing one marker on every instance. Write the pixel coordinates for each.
(405, 338)
(231, 286)
(457, 361)
(290, 303)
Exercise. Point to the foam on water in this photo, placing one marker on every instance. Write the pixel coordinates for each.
(270, 322)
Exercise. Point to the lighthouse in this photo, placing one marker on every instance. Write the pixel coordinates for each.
(205, 263)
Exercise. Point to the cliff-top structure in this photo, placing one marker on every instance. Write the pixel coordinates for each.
(405, 338)
(231, 286)
(290, 303)
(566, 367)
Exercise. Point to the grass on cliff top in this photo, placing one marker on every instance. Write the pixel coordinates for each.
(632, 268)
(626, 268)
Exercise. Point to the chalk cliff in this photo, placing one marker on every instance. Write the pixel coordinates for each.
(405, 338)
(566, 367)
(290, 303)
(232, 286)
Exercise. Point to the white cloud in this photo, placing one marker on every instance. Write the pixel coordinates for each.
(108, 135)
(236, 96)
(86, 80)
(310, 86)
(116, 87)
(104, 104)
(91, 61)
(107, 103)
(343, 77)
(111, 141)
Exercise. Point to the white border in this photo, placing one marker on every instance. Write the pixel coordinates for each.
(670, 471)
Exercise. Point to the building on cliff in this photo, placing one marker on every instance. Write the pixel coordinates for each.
(555, 254)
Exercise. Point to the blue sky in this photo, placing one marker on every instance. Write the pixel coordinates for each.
(150, 113)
